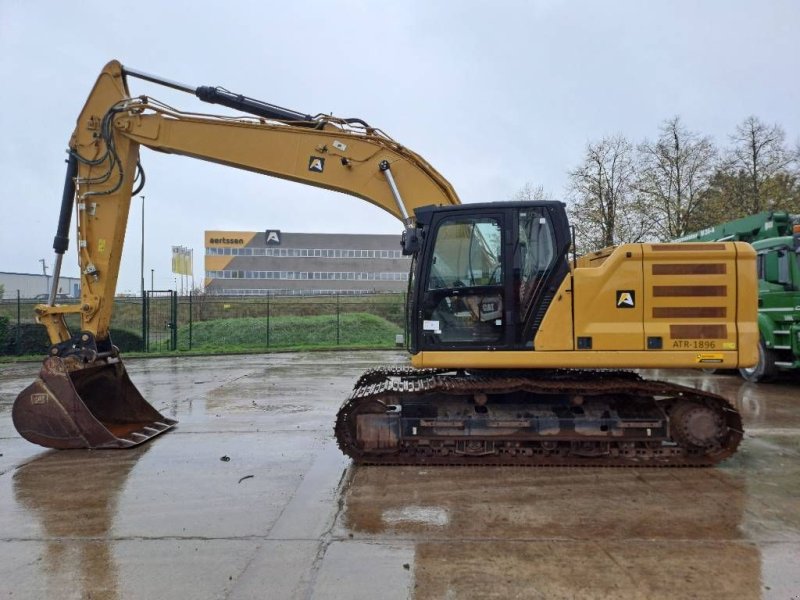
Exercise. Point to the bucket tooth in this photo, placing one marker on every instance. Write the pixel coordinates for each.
(92, 406)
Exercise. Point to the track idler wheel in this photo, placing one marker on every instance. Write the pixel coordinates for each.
(696, 425)
(375, 428)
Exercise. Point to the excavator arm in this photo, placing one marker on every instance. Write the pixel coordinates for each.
(344, 155)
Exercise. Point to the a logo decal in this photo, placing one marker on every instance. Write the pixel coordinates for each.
(316, 164)
(273, 236)
(226, 240)
(626, 298)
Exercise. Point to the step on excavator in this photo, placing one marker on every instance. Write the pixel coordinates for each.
(522, 353)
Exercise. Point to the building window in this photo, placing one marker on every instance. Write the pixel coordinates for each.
(305, 253)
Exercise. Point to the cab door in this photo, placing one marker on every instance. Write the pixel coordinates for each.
(462, 294)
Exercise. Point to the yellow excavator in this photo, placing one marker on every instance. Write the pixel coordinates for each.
(522, 353)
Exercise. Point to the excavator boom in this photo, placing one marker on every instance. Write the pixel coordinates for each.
(343, 155)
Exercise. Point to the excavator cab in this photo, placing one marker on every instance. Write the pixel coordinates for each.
(485, 274)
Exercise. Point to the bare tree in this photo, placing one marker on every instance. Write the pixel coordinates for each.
(604, 208)
(531, 194)
(759, 152)
(726, 198)
(674, 171)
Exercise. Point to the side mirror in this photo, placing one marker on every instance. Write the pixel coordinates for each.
(410, 241)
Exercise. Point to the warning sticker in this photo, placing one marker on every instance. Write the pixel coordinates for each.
(430, 325)
(709, 358)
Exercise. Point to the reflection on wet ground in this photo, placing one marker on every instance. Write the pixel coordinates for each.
(289, 517)
(547, 533)
(516, 503)
(83, 508)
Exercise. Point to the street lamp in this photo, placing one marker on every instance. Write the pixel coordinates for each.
(46, 280)
(151, 279)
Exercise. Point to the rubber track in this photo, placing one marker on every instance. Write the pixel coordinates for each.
(392, 385)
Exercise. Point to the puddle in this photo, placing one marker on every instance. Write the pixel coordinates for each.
(424, 515)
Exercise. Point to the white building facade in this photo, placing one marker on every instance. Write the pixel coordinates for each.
(271, 262)
(33, 285)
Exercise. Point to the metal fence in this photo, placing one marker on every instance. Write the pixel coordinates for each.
(164, 321)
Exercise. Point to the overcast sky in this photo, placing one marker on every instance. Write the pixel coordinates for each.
(493, 94)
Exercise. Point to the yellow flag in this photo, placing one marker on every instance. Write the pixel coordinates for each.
(187, 261)
(182, 261)
(176, 259)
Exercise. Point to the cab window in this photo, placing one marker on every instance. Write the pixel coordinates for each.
(463, 301)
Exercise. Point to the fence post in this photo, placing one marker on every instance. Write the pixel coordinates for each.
(337, 319)
(190, 320)
(144, 320)
(18, 340)
(174, 332)
(267, 320)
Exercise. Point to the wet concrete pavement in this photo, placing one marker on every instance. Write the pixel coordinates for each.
(289, 517)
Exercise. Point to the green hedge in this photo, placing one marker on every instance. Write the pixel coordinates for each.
(250, 333)
(33, 340)
(3, 330)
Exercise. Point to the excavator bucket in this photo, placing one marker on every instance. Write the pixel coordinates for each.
(96, 406)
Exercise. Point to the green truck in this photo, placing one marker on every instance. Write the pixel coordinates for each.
(776, 238)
